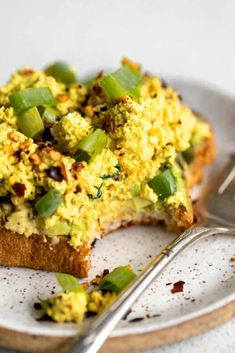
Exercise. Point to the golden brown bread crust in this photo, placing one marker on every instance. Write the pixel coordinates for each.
(39, 253)
(204, 155)
(34, 252)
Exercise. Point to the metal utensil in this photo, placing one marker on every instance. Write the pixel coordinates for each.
(216, 209)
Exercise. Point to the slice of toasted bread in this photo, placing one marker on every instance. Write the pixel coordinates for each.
(39, 252)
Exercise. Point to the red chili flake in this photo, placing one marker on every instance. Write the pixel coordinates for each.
(105, 272)
(100, 75)
(78, 189)
(180, 97)
(103, 120)
(126, 314)
(96, 281)
(178, 287)
(112, 126)
(93, 243)
(84, 284)
(97, 88)
(232, 259)
(63, 171)
(122, 100)
(17, 154)
(164, 84)
(55, 173)
(78, 166)
(27, 72)
(71, 109)
(19, 189)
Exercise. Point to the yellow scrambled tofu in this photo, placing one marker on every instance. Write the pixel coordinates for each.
(96, 160)
(73, 306)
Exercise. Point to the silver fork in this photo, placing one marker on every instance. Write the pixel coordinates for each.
(216, 212)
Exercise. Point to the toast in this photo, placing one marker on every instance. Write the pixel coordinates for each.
(95, 164)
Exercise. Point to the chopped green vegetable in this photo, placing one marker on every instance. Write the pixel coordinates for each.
(180, 184)
(93, 143)
(68, 282)
(49, 115)
(188, 155)
(44, 306)
(123, 82)
(163, 184)
(117, 280)
(31, 97)
(62, 72)
(48, 204)
(30, 123)
(98, 194)
(82, 156)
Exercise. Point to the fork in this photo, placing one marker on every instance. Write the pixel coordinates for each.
(216, 214)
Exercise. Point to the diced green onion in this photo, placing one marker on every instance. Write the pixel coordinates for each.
(31, 97)
(44, 306)
(62, 72)
(48, 204)
(68, 282)
(93, 143)
(123, 82)
(82, 156)
(163, 184)
(30, 122)
(117, 280)
(49, 115)
(188, 155)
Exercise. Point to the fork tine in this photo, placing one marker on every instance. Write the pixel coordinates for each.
(219, 202)
(228, 185)
(225, 182)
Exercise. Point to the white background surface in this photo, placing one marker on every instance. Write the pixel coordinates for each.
(193, 39)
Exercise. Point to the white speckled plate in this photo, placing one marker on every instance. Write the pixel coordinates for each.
(205, 268)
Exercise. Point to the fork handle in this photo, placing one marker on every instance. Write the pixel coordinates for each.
(92, 339)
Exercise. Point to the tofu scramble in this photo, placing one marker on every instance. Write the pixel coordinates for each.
(74, 303)
(77, 157)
